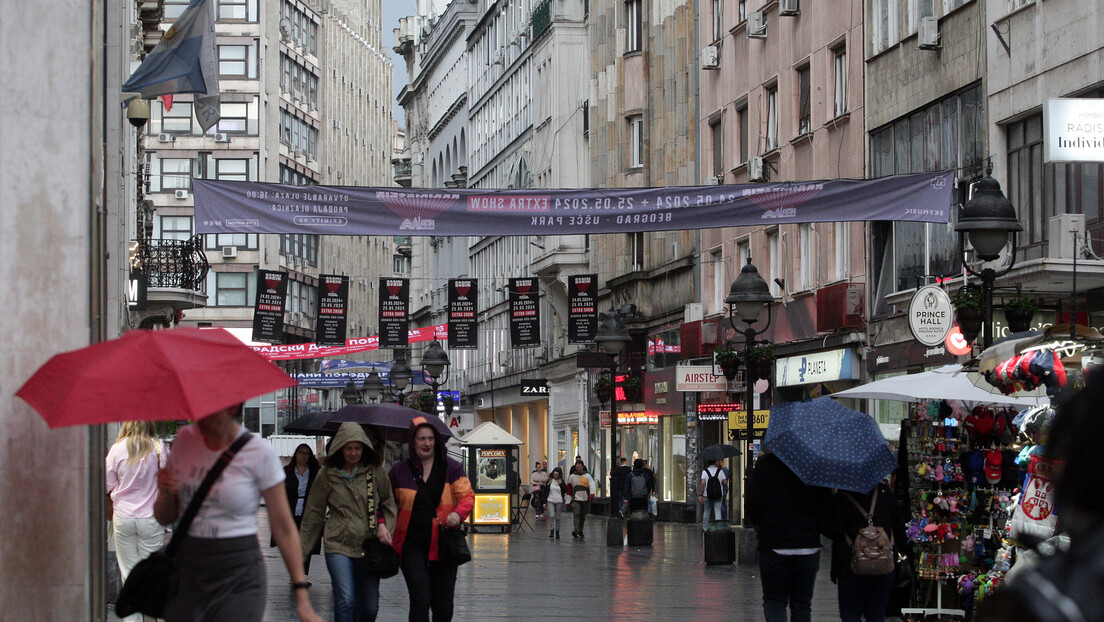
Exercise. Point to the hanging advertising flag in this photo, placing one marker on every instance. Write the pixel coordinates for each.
(333, 304)
(524, 313)
(268, 308)
(394, 312)
(463, 297)
(582, 300)
(256, 207)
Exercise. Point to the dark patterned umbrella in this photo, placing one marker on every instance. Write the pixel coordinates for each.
(718, 452)
(827, 444)
(391, 419)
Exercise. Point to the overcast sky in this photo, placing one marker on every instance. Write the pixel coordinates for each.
(392, 11)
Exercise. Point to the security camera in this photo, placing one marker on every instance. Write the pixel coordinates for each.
(138, 112)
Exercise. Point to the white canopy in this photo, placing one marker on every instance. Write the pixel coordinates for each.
(487, 433)
(949, 382)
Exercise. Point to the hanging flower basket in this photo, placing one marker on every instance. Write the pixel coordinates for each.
(729, 362)
(1019, 311)
(426, 402)
(603, 387)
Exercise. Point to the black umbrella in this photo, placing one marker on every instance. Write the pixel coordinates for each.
(391, 419)
(718, 452)
(312, 424)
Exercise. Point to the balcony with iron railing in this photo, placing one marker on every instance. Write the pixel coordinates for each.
(402, 171)
(542, 18)
(175, 271)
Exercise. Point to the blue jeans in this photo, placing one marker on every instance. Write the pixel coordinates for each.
(713, 511)
(788, 580)
(864, 597)
(355, 592)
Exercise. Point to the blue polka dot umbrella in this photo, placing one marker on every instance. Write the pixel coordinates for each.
(827, 444)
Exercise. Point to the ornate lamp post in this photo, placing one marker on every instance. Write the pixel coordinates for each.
(613, 337)
(373, 386)
(746, 298)
(988, 218)
(349, 394)
(400, 376)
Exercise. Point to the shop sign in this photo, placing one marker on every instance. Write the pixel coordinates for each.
(737, 420)
(716, 412)
(900, 356)
(699, 378)
(460, 422)
(492, 453)
(629, 418)
(534, 387)
(491, 510)
(930, 315)
(137, 289)
(816, 367)
(1074, 130)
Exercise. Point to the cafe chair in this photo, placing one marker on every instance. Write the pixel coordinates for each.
(520, 518)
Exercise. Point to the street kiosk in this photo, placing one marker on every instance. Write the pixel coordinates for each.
(490, 456)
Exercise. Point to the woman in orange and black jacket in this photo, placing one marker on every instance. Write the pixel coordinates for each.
(433, 493)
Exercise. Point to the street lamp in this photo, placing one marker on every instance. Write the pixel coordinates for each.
(988, 218)
(613, 337)
(400, 376)
(746, 298)
(373, 386)
(435, 363)
(350, 395)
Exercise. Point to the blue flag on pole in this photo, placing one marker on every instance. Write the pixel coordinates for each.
(185, 61)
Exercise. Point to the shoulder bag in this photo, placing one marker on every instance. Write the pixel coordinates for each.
(147, 586)
(452, 544)
(380, 559)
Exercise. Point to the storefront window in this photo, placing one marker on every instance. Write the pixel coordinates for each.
(886, 411)
(672, 479)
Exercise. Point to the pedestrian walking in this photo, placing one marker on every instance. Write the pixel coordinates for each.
(639, 486)
(219, 574)
(787, 516)
(537, 481)
(132, 465)
(863, 591)
(433, 493)
(299, 476)
(618, 475)
(557, 495)
(580, 490)
(713, 482)
(352, 499)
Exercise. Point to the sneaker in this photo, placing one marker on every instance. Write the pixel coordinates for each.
(574, 534)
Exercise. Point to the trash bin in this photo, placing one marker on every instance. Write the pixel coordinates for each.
(640, 529)
(720, 546)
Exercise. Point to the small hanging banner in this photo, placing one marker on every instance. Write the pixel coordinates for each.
(268, 309)
(524, 312)
(333, 304)
(463, 299)
(582, 317)
(394, 313)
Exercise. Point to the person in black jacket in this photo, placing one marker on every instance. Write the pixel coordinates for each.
(786, 516)
(298, 478)
(862, 597)
(639, 470)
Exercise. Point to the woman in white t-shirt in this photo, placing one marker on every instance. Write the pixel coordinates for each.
(219, 573)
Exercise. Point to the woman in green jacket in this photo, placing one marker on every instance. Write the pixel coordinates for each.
(355, 488)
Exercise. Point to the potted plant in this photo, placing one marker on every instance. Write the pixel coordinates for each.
(603, 387)
(728, 360)
(1019, 310)
(968, 309)
(425, 401)
(760, 360)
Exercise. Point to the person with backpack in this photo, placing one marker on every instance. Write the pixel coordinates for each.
(864, 529)
(713, 480)
(639, 485)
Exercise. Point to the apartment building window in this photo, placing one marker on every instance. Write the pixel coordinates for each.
(742, 128)
(918, 9)
(237, 10)
(843, 250)
(586, 118)
(231, 289)
(175, 227)
(232, 170)
(720, 289)
(235, 119)
(175, 173)
(808, 259)
(293, 177)
(774, 265)
(839, 77)
(178, 120)
(804, 101)
(884, 25)
(741, 11)
(173, 8)
(237, 61)
(743, 251)
(716, 133)
(637, 250)
(950, 5)
(772, 117)
(297, 134)
(304, 31)
(634, 24)
(636, 141)
(301, 245)
(399, 263)
(247, 241)
(718, 24)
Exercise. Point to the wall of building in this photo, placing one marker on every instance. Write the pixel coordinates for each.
(49, 124)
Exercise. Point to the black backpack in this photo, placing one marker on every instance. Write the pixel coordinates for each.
(638, 486)
(713, 488)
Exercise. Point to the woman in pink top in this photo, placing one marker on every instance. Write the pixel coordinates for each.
(132, 465)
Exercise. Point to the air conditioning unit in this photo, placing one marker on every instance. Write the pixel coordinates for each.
(840, 305)
(229, 252)
(1065, 235)
(182, 194)
(713, 180)
(789, 7)
(222, 137)
(710, 57)
(928, 34)
(166, 138)
(297, 317)
(756, 25)
(756, 169)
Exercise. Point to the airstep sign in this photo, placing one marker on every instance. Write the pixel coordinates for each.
(698, 378)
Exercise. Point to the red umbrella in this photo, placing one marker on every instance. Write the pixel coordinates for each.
(183, 373)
